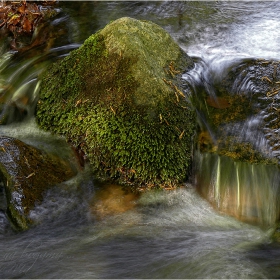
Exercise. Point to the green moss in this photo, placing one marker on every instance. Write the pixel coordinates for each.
(133, 148)
(19, 221)
(87, 75)
(92, 98)
(224, 108)
(239, 109)
(242, 151)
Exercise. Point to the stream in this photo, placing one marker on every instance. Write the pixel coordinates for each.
(85, 231)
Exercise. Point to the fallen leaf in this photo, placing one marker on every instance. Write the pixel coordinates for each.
(21, 9)
(27, 26)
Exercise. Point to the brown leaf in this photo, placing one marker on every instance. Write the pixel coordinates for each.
(21, 9)
(3, 9)
(27, 26)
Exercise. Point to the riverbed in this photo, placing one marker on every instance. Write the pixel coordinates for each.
(159, 234)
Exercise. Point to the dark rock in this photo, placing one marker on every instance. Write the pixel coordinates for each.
(26, 173)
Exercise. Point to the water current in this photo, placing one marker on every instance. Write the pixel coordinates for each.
(86, 232)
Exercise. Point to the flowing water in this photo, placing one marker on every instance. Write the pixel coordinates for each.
(85, 231)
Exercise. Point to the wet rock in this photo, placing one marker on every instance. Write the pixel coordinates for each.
(238, 158)
(119, 98)
(244, 114)
(27, 173)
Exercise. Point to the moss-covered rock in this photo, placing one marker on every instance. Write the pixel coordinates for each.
(244, 114)
(26, 173)
(119, 98)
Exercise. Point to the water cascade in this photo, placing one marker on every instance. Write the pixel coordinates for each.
(249, 192)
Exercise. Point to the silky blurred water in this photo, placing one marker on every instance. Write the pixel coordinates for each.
(163, 234)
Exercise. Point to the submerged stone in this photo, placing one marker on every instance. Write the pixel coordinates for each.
(119, 98)
(26, 173)
(112, 199)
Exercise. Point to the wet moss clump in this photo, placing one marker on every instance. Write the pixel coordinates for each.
(232, 147)
(238, 109)
(119, 99)
(242, 151)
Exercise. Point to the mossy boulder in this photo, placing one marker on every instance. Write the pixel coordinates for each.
(26, 173)
(119, 98)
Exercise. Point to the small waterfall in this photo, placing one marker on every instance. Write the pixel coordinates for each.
(236, 165)
(249, 192)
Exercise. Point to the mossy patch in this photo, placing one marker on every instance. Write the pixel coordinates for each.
(238, 109)
(242, 151)
(232, 147)
(119, 99)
